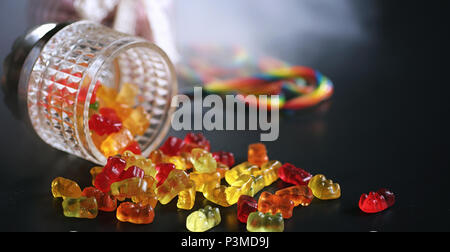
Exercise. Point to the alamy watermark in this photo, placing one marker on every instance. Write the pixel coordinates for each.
(264, 117)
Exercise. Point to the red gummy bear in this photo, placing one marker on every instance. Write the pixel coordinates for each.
(134, 147)
(132, 172)
(172, 146)
(226, 158)
(110, 174)
(245, 206)
(105, 202)
(107, 122)
(197, 141)
(388, 196)
(294, 175)
(163, 171)
(372, 203)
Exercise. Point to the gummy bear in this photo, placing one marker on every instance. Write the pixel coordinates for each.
(105, 123)
(186, 198)
(105, 202)
(245, 206)
(243, 169)
(196, 141)
(388, 195)
(117, 142)
(179, 162)
(81, 207)
(139, 161)
(138, 121)
(203, 161)
(157, 157)
(257, 154)
(294, 175)
(135, 213)
(110, 174)
(222, 169)
(269, 203)
(176, 182)
(140, 190)
(203, 179)
(172, 146)
(269, 171)
(65, 188)
(216, 194)
(372, 203)
(300, 195)
(226, 158)
(106, 96)
(163, 171)
(203, 219)
(260, 222)
(324, 188)
(132, 172)
(127, 95)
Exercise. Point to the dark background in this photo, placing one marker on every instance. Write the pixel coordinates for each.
(386, 125)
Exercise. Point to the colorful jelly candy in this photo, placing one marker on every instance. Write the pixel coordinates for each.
(138, 121)
(203, 179)
(300, 195)
(222, 169)
(135, 160)
(245, 206)
(226, 158)
(179, 162)
(324, 188)
(203, 219)
(257, 154)
(243, 169)
(196, 141)
(157, 157)
(372, 203)
(203, 161)
(260, 222)
(269, 203)
(81, 207)
(105, 202)
(139, 190)
(294, 175)
(269, 172)
(388, 195)
(176, 182)
(135, 213)
(216, 194)
(105, 123)
(163, 171)
(110, 174)
(116, 142)
(65, 188)
(172, 146)
(186, 198)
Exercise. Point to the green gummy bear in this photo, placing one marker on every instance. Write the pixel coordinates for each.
(260, 222)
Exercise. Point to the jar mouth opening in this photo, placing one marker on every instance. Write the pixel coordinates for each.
(132, 61)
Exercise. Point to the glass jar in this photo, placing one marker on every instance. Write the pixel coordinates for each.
(55, 72)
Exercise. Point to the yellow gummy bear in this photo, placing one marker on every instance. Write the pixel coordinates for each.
(324, 188)
(203, 179)
(216, 194)
(138, 121)
(203, 219)
(128, 94)
(65, 188)
(176, 182)
(178, 161)
(245, 168)
(139, 190)
(269, 171)
(244, 185)
(139, 161)
(203, 161)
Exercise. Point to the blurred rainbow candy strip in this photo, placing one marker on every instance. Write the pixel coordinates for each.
(298, 87)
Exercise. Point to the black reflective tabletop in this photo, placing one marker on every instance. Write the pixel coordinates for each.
(386, 126)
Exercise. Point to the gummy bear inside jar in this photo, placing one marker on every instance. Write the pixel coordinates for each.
(128, 102)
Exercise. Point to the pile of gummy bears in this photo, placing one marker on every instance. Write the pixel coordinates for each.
(183, 167)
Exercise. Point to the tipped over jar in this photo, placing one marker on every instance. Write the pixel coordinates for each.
(91, 91)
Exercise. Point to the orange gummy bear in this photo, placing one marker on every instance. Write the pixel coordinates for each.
(257, 154)
(269, 203)
(135, 213)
